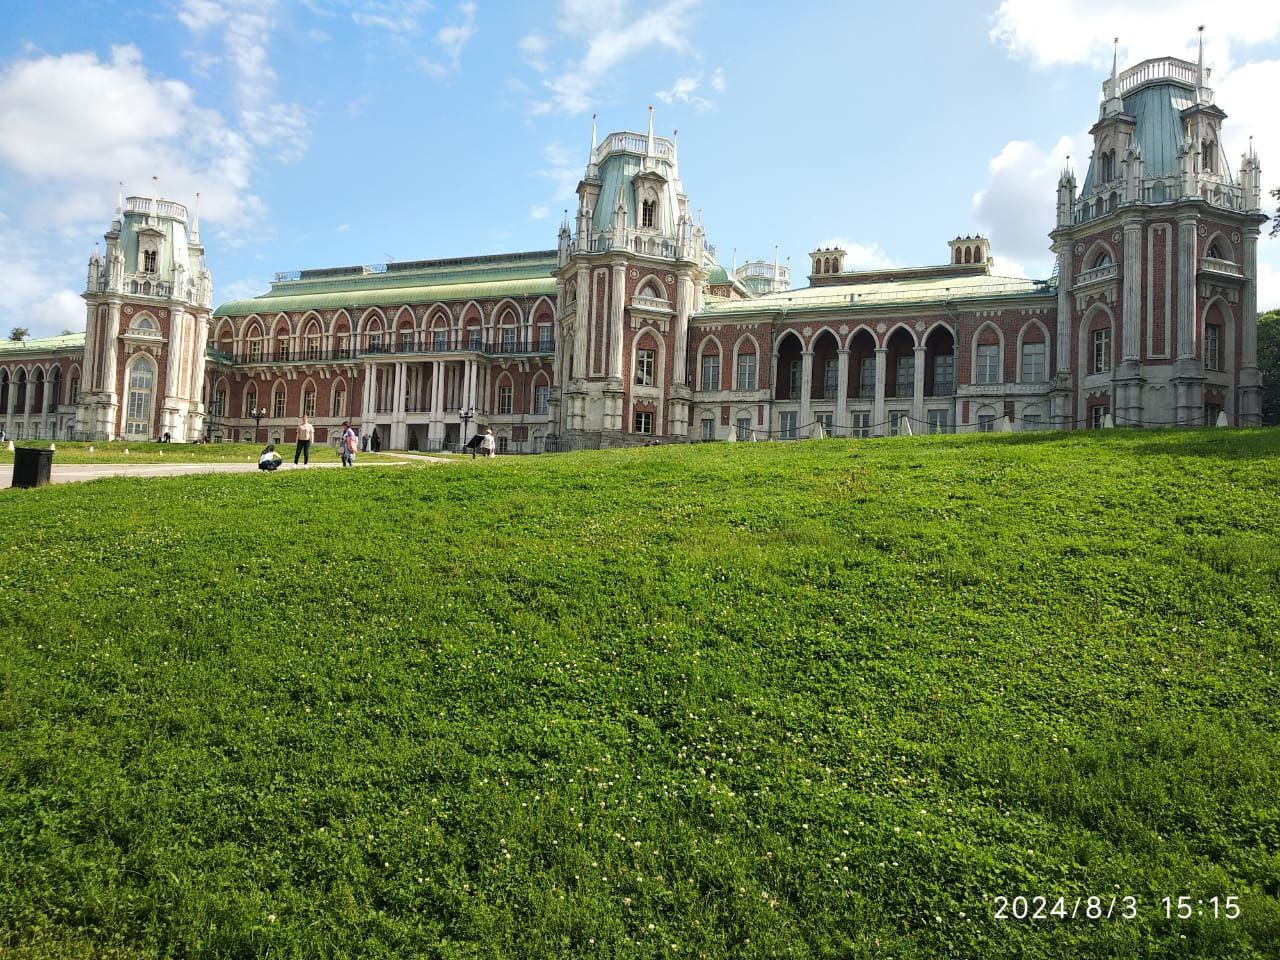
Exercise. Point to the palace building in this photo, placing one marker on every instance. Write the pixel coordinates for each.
(631, 328)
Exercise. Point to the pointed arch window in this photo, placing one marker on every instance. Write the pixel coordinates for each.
(1214, 252)
(149, 261)
(142, 385)
(1103, 259)
(309, 401)
(250, 401)
(648, 213)
(277, 403)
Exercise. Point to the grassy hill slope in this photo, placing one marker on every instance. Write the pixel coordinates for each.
(818, 699)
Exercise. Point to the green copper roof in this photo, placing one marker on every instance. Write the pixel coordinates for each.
(427, 281)
(880, 295)
(68, 341)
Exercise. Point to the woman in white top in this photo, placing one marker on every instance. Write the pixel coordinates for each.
(488, 444)
(269, 460)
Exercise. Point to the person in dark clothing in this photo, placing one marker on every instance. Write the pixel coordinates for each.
(474, 444)
(376, 441)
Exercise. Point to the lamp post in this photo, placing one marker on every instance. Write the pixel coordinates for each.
(466, 417)
(257, 421)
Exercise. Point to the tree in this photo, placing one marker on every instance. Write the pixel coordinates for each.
(1269, 364)
(19, 334)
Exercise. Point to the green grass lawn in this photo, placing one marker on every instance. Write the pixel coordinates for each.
(825, 699)
(69, 451)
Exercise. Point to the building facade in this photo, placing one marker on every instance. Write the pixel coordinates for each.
(631, 329)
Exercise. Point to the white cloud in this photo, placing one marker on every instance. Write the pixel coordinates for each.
(533, 48)
(1268, 283)
(394, 16)
(1017, 208)
(1082, 31)
(861, 256)
(246, 27)
(451, 39)
(612, 32)
(139, 126)
(717, 80)
(683, 90)
(539, 211)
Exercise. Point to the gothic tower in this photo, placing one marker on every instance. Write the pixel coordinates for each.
(147, 321)
(1157, 261)
(628, 277)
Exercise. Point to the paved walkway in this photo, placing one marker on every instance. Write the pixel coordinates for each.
(73, 472)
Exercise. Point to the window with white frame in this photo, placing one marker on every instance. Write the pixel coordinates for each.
(939, 421)
(708, 428)
(1033, 363)
(313, 346)
(309, 403)
(441, 340)
(989, 363)
(795, 377)
(711, 371)
(504, 443)
(1100, 360)
(375, 342)
(744, 428)
(250, 402)
(1211, 413)
(944, 375)
(149, 261)
(787, 424)
(830, 378)
(648, 208)
(504, 398)
(406, 341)
(746, 371)
(1212, 346)
(340, 402)
(986, 422)
(344, 345)
(73, 390)
(906, 374)
(644, 368)
(1031, 421)
(860, 423)
(541, 393)
(545, 340)
(1098, 416)
(867, 378)
(277, 404)
(827, 420)
(508, 339)
(643, 422)
(255, 350)
(896, 421)
(142, 384)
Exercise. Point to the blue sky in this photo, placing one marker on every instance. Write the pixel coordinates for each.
(326, 132)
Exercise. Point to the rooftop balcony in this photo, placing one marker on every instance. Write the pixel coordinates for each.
(1160, 69)
(163, 208)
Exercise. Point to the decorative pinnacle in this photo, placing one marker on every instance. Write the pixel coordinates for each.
(1200, 61)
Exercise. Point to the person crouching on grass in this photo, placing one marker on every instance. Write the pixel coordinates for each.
(269, 460)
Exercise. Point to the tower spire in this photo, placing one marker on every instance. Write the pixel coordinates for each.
(649, 148)
(591, 156)
(155, 196)
(1200, 60)
(119, 199)
(195, 222)
(1115, 66)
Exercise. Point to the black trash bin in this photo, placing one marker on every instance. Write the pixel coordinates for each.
(31, 466)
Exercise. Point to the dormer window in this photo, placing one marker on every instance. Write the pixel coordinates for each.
(1107, 167)
(1207, 153)
(648, 211)
(149, 261)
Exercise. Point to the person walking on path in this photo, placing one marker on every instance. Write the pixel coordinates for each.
(375, 441)
(349, 443)
(306, 433)
(488, 444)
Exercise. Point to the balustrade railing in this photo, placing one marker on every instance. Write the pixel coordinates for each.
(1108, 272)
(418, 345)
(1214, 265)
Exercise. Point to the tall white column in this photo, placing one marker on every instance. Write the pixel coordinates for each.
(917, 391)
(1186, 287)
(680, 346)
(806, 389)
(580, 323)
(842, 389)
(473, 387)
(877, 409)
(617, 297)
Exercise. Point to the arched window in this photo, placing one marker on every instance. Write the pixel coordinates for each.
(648, 213)
(250, 401)
(309, 400)
(338, 409)
(1208, 155)
(148, 261)
(1214, 252)
(1103, 259)
(145, 326)
(277, 403)
(142, 386)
